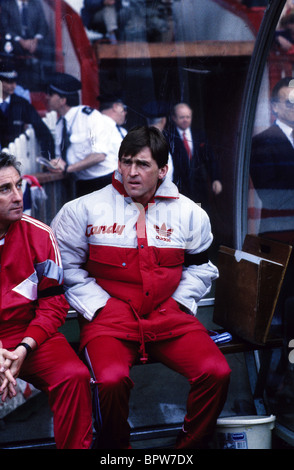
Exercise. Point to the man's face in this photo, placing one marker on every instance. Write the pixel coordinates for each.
(11, 197)
(140, 175)
(120, 113)
(55, 102)
(8, 88)
(284, 107)
(183, 117)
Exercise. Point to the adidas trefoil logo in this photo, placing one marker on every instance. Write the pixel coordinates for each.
(163, 233)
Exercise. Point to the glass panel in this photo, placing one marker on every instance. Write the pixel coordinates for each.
(164, 52)
(199, 54)
(271, 193)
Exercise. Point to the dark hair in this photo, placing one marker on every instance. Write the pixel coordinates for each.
(72, 99)
(284, 82)
(106, 105)
(7, 160)
(144, 136)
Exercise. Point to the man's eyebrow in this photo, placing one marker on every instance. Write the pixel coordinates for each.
(135, 160)
(8, 183)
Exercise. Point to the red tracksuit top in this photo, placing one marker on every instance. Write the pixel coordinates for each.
(31, 277)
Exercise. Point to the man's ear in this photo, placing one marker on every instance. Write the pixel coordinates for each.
(119, 166)
(274, 108)
(162, 172)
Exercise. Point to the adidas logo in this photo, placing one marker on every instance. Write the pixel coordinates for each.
(163, 233)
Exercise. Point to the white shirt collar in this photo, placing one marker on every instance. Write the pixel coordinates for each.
(7, 99)
(187, 132)
(288, 131)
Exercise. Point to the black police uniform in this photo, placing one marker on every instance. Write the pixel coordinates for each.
(12, 123)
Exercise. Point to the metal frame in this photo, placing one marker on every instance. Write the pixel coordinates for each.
(248, 110)
(254, 78)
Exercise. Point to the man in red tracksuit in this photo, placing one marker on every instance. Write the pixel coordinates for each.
(135, 266)
(32, 308)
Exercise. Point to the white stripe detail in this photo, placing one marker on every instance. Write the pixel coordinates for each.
(47, 229)
(27, 289)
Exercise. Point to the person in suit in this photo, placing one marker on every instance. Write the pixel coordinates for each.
(195, 165)
(16, 113)
(272, 169)
(25, 34)
(272, 175)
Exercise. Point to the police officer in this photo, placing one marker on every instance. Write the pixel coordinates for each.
(82, 139)
(16, 113)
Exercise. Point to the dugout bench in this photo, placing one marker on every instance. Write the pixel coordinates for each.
(245, 298)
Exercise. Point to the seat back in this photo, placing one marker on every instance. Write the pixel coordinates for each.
(248, 287)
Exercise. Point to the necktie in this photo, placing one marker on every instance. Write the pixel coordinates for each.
(65, 142)
(186, 145)
(24, 20)
(119, 130)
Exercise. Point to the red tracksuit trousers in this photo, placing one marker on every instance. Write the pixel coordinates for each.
(194, 355)
(56, 369)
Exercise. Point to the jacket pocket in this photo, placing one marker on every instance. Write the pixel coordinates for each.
(169, 256)
(108, 255)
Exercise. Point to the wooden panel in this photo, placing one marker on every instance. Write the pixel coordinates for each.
(248, 287)
(48, 177)
(141, 50)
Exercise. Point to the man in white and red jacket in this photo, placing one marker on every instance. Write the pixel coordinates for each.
(32, 308)
(136, 265)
